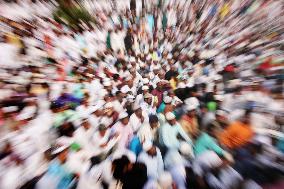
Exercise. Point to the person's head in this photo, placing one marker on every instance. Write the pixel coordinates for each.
(150, 148)
(62, 155)
(119, 167)
(153, 121)
(138, 112)
(123, 117)
(86, 124)
(247, 117)
(148, 98)
(171, 118)
(102, 129)
(119, 96)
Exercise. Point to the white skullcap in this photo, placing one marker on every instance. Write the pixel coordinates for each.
(168, 99)
(122, 115)
(181, 85)
(170, 116)
(221, 113)
(105, 121)
(156, 67)
(95, 108)
(132, 59)
(59, 149)
(125, 89)
(151, 75)
(136, 106)
(219, 97)
(147, 145)
(192, 101)
(145, 87)
(109, 105)
(27, 113)
(128, 78)
(148, 57)
(186, 149)
(190, 107)
(145, 80)
(170, 56)
(148, 95)
(107, 83)
(9, 109)
(165, 180)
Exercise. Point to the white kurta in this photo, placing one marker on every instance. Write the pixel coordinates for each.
(155, 165)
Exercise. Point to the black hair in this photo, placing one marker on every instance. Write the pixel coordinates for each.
(153, 118)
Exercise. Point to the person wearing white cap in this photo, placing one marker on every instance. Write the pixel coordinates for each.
(170, 131)
(189, 120)
(145, 89)
(149, 104)
(138, 118)
(83, 135)
(57, 175)
(123, 130)
(166, 105)
(152, 158)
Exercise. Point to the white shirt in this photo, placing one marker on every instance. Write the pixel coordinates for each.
(136, 123)
(155, 164)
(125, 134)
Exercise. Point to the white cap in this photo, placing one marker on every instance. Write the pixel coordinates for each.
(125, 89)
(170, 56)
(59, 149)
(156, 67)
(145, 87)
(95, 108)
(107, 83)
(132, 59)
(109, 105)
(165, 180)
(186, 149)
(148, 95)
(168, 99)
(190, 107)
(122, 115)
(10, 109)
(148, 57)
(145, 80)
(170, 116)
(147, 145)
(219, 97)
(181, 85)
(192, 101)
(136, 106)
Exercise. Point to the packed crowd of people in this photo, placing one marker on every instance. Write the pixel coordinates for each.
(161, 94)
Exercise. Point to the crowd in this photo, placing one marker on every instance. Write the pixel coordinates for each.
(156, 94)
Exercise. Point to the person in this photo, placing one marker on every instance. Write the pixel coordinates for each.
(57, 175)
(138, 118)
(123, 130)
(169, 132)
(152, 158)
(238, 134)
(189, 121)
(149, 131)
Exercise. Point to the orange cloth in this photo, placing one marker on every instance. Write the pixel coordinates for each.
(236, 135)
(190, 125)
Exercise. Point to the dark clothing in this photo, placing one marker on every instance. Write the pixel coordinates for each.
(171, 74)
(128, 41)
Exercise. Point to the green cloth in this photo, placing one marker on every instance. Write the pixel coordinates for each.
(206, 142)
(75, 146)
(108, 43)
(164, 21)
(61, 117)
(212, 106)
